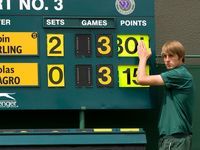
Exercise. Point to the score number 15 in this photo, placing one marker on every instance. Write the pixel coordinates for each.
(127, 75)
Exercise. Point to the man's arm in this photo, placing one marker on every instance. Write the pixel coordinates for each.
(142, 77)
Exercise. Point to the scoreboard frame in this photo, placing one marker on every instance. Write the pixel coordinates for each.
(85, 53)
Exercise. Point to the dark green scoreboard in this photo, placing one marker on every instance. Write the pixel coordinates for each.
(74, 54)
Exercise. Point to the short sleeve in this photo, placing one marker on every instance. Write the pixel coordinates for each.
(176, 78)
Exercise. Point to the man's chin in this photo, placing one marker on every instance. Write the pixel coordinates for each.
(169, 67)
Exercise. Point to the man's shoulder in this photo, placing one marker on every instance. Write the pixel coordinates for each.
(178, 74)
(178, 71)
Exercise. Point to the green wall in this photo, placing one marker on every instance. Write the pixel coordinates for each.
(195, 70)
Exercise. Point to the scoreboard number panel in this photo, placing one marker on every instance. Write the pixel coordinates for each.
(127, 75)
(104, 75)
(55, 45)
(56, 75)
(104, 45)
(127, 44)
(84, 75)
(83, 45)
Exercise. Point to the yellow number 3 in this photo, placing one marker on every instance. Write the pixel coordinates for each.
(105, 48)
(105, 71)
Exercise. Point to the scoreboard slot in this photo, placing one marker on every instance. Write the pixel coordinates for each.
(84, 75)
(83, 45)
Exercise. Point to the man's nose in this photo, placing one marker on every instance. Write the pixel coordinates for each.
(166, 58)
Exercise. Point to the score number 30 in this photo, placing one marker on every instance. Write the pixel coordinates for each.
(127, 44)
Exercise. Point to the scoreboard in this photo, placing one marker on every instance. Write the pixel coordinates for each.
(74, 54)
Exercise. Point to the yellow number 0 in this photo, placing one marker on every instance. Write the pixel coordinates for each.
(106, 75)
(104, 44)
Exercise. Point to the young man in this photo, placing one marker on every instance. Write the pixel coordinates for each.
(175, 124)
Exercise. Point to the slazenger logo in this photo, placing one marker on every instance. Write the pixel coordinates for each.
(7, 100)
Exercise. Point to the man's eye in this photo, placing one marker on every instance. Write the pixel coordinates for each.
(164, 56)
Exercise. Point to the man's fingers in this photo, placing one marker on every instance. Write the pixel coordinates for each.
(143, 44)
(149, 50)
(139, 45)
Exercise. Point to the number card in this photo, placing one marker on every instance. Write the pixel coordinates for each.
(127, 75)
(56, 75)
(127, 44)
(104, 75)
(104, 45)
(55, 45)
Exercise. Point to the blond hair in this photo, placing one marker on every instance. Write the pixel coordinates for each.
(174, 48)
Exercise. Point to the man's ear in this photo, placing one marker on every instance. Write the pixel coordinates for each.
(182, 59)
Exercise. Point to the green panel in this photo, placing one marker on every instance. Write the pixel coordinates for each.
(72, 139)
(70, 136)
(99, 20)
(195, 70)
(73, 7)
